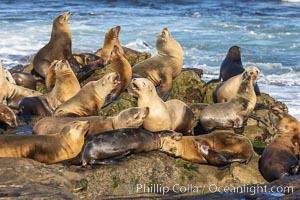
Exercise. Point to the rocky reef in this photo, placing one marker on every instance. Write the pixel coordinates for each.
(153, 174)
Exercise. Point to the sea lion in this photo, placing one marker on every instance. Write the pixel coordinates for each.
(116, 144)
(181, 116)
(111, 39)
(281, 157)
(164, 67)
(46, 148)
(12, 94)
(58, 48)
(233, 113)
(232, 66)
(216, 148)
(159, 117)
(7, 116)
(119, 64)
(66, 86)
(228, 89)
(89, 100)
(128, 118)
(25, 80)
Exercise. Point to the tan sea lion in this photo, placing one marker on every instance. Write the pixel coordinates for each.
(121, 65)
(228, 89)
(89, 100)
(163, 67)
(112, 145)
(7, 116)
(128, 118)
(233, 113)
(11, 94)
(66, 86)
(25, 80)
(159, 117)
(58, 48)
(181, 116)
(232, 66)
(281, 157)
(111, 39)
(46, 148)
(217, 148)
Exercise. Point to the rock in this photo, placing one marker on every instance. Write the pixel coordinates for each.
(28, 179)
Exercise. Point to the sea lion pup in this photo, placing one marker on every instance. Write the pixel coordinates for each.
(58, 48)
(228, 89)
(129, 118)
(119, 64)
(232, 66)
(181, 115)
(89, 100)
(112, 145)
(7, 116)
(233, 113)
(217, 148)
(46, 148)
(66, 86)
(25, 80)
(162, 68)
(159, 117)
(281, 157)
(11, 93)
(111, 39)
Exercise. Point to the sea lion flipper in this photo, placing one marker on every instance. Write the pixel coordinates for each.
(110, 98)
(212, 81)
(163, 95)
(256, 90)
(213, 157)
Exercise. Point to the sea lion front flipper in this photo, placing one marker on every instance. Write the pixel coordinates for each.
(256, 90)
(112, 96)
(87, 70)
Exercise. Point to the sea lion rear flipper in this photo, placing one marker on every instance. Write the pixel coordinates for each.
(104, 162)
(213, 157)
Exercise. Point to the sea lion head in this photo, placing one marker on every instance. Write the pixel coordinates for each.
(251, 73)
(132, 117)
(7, 116)
(76, 129)
(234, 53)
(61, 20)
(166, 45)
(172, 144)
(110, 80)
(139, 86)
(111, 39)
(63, 67)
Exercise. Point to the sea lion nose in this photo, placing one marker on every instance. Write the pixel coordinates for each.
(251, 73)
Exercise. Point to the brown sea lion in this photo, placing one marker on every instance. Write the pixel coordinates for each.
(281, 157)
(181, 115)
(228, 89)
(163, 67)
(111, 39)
(46, 148)
(217, 148)
(58, 48)
(112, 145)
(233, 113)
(11, 94)
(89, 100)
(159, 117)
(25, 80)
(121, 65)
(232, 66)
(7, 116)
(66, 86)
(129, 118)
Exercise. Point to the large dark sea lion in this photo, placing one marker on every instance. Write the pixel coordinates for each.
(162, 68)
(232, 66)
(281, 157)
(46, 148)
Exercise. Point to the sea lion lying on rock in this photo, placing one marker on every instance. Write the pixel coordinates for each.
(128, 118)
(46, 148)
(281, 157)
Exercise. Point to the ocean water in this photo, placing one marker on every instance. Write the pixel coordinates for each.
(267, 31)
